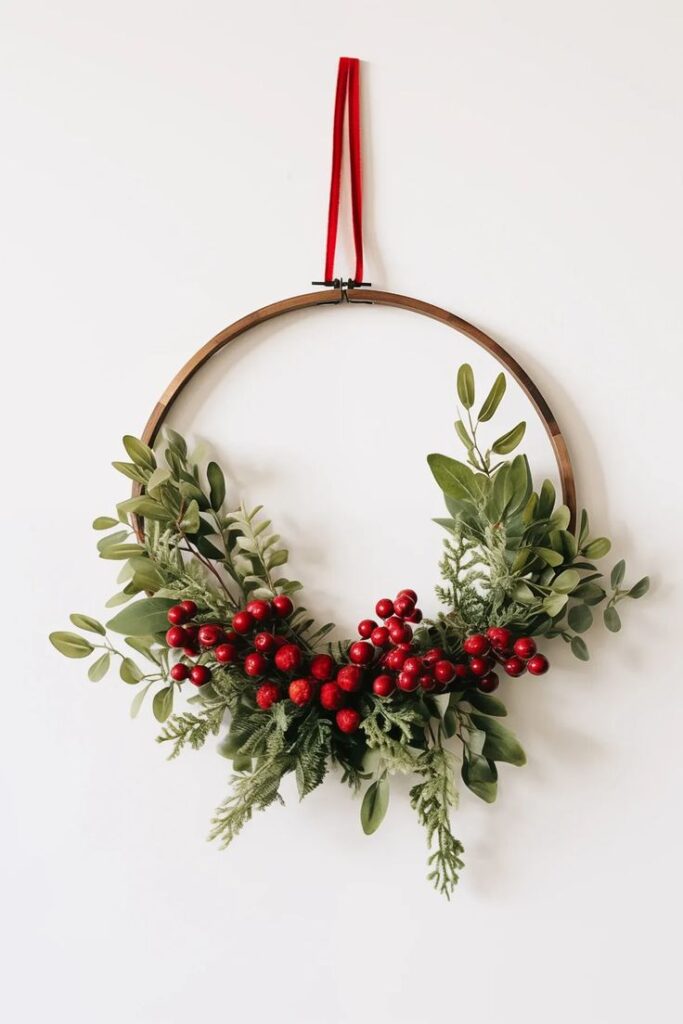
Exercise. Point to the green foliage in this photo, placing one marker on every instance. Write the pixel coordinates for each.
(374, 806)
(433, 799)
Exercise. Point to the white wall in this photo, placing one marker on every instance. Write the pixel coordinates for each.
(165, 171)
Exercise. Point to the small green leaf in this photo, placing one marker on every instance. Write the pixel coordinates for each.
(500, 743)
(454, 478)
(597, 548)
(549, 556)
(162, 705)
(216, 480)
(590, 593)
(190, 521)
(612, 620)
(241, 763)
(130, 470)
(466, 385)
(144, 645)
(546, 500)
(374, 806)
(71, 644)
(104, 523)
(640, 588)
(559, 520)
(580, 618)
(493, 399)
(523, 593)
(277, 558)
(461, 431)
(121, 552)
(176, 441)
(159, 476)
(487, 704)
(138, 699)
(554, 603)
(450, 722)
(129, 671)
(579, 649)
(143, 618)
(139, 452)
(99, 668)
(508, 442)
(566, 581)
(85, 622)
(617, 575)
(480, 775)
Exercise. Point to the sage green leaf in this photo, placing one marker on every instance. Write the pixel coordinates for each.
(85, 622)
(559, 520)
(277, 558)
(454, 478)
(143, 618)
(612, 620)
(579, 649)
(241, 763)
(590, 593)
(117, 599)
(130, 470)
(450, 722)
(640, 588)
(176, 442)
(129, 671)
(466, 385)
(190, 521)
(99, 668)
(546, 500)
(566, 581)
(139, 452)
(146, 575)
(119, 552)
(584, 528)
(216, 480)
(486, 703)
(617, 574)
(530, 510)
(549, 556)
(508, 442)
(160, 476)
(374, 806)
(493, 399)
(554, 603)
(162, 705)
(71, 644)
(146, 507)
(112, 539)
(138, 699)
(461, 431)
(104, 523)
(523, 593)
(144, 645)
(597, 548)
(500, 743)
(580, 618)
(480, 775)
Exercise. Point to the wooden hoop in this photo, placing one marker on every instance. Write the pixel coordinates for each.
(367, 297)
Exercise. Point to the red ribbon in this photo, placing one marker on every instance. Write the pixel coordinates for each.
(348, 87)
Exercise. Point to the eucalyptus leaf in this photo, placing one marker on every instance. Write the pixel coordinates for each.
(87, 623)
(487, 704)
(580, 618)
(129, 671)
(143, 618)
(374, 806)
(508, 442)
(162, 705)
(640, 588)
(176, 441)
(617, 574)
(99, 668)
(461, 431)
(480, 775)
(190, 520)
(500, 743)
(104, 523)
(566, 581)
(141, 454)
(493, 399)
(71, 644)
(138, 699)
(454, 478)
(466, 385)
(612, 619)
(546, 500)
(579, 649)
(597, 548)
(130, 470)
(549, 556)
(554, 603)
(216, 480)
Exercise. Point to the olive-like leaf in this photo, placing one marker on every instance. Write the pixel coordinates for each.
(466, 385)
(190, 521)
(597, 548)
(71, 644)
(508, 442)
(129, 671)
(566, 581)
(500, 744)
(617, 575)
(580, 618)
(493, 399)
(454, 478)
(612, 620)
(104, 523)
(487, 704)
(99, 668)
(143, 618)
(554, 603)
(546, 500)
(141, 454)
(374, 806)
(138, 699)
(461, 431)
(130, 470)
(87, 623)
(640, 588)
(162, 705)
(216, 480)
(579, 649)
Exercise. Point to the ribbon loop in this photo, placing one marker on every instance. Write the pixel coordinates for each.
(348, 90)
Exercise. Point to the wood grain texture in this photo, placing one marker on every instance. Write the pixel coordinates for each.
(376, 298)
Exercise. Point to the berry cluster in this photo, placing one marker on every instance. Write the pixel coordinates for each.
(384, 660)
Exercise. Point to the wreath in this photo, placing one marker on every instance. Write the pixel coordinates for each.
(207, 604)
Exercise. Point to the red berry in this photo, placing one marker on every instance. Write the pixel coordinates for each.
(384, 608)
(267, 695)
(476, 645)
(413, 666)
(282, 606)
(254, 664)
(300, 691)
(407, 681)
(408, 593)
(231, 637)
(176, 637)
(190, 652)
(209, 636)
(488, 683)
(480, 666)
(264, 643)
(500, 637)
(280, 641)
(200, 674)
(444, 671)
(192, 632)
(177, 615)
(242, 622)
(288, 658)
(462, 671)
(395, 659)
(380, 636)
(259, 609)
(331, 697)
(383, 685)
(347, 720)
(427, 682)
(366, 627)
(432, 656)
(322, 668)
(415, 617)
(179, 672)
(226, 654)
(403, 605)
(525, 647)
(361, 653)
(190, 607)
(349, 678)
(538, 665)
(400, 633)
(514, 666)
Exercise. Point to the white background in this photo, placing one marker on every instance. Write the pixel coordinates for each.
(165, 169)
